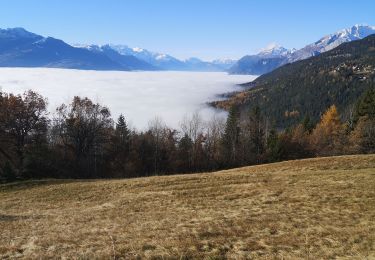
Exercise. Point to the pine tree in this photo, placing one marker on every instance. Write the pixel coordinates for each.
(231, 137)
(307, 124)
(256, 132)
(122, 132)
(362, 138)
(120, 147)
(273, 147)
(366, 105)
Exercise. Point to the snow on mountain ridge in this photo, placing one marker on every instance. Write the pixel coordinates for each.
(18, 32)
(274, 49)
(137, 49)
(331, 41)
(249, 63)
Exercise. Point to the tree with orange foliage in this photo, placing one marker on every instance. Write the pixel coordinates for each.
(328, 136)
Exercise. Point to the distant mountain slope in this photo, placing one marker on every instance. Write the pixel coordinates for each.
(277, 56)
(309, 86)
(20, 48)
(168, 62)
(128, 61)
(159, 60)
(224, 64)
(265, 61)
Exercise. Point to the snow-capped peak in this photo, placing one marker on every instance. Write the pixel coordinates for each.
(18, 32)
(271, 46)
(137, 49)
(358, 31)
(355, 32)
(90, 47)
(274, 49)
(331, 41)
(161, 57)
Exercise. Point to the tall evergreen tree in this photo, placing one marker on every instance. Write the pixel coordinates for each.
(308, 125)
(231, 137)
(122, 133)
(185, 150)
(273, 147)
(366, 104)
(256, 134)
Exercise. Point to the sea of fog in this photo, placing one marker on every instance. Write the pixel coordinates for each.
(140, 96)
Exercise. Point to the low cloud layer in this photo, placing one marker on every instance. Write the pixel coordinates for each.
(140, 96)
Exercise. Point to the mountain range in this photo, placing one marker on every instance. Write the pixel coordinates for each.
(308, 87)
(275, 56)
(161, 61)
(21, 48)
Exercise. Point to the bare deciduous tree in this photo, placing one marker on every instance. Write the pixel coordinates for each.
(23, 119)
(84, 127)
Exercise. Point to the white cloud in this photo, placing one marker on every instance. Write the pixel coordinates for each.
(140, 96)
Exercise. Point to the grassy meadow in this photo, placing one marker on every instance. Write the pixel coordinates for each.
(314, 209)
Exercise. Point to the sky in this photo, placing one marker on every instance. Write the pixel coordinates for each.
(207, 29)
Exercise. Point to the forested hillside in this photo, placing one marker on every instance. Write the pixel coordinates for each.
(309, 87)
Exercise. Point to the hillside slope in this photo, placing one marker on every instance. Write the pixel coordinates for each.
(310, 86)
(315, 208)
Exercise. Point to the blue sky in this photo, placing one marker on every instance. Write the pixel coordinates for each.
(202, 28)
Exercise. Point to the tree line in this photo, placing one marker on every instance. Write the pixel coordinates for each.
(81, 140)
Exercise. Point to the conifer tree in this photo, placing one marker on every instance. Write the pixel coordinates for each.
(273, 146)
(231, 137)
(307, 124)
(366, 105)
(256, 132)
(122, 133)
(185, 150)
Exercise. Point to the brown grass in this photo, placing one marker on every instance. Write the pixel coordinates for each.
(317, 208)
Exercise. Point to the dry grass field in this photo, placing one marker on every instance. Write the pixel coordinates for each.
(313, 209)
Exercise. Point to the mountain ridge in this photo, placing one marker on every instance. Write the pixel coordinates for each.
(21, 48)
(163, 61)
(266, 61)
